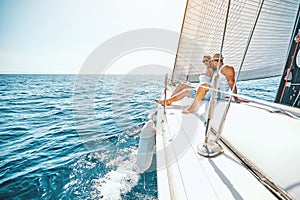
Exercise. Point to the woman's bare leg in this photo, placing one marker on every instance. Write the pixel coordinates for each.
(181, 87)
(174, 98)
(201, 92)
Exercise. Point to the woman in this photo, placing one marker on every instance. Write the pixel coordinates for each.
(205, 76)
(184, 90)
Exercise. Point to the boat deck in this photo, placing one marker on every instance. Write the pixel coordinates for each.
(184, 174)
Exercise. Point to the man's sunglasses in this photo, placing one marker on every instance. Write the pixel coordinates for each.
(204, 61)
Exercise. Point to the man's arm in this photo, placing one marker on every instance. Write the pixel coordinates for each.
(229, 72)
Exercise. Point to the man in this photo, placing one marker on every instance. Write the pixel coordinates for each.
(185, 90)
(227, 80)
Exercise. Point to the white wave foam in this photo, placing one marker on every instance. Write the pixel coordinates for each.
(119, 181)
(115, 183)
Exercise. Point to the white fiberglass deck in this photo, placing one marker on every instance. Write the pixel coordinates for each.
(184, 174)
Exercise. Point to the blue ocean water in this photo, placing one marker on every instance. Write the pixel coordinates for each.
(64, 137)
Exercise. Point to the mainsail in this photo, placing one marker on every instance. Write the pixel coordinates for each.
(202, 32)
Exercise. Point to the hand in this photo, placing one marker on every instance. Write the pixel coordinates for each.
(240, 100)
(237, 100)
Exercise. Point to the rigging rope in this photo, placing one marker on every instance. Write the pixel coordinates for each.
(171, 182)
(216, 82)
(248, 42)
(258, 101)
(241, 65)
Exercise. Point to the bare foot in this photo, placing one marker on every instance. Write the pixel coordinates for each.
(162, 102)
(187, 111)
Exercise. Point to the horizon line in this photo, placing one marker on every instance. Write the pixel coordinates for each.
(22, 73)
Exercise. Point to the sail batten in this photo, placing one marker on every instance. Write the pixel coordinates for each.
(202, 35)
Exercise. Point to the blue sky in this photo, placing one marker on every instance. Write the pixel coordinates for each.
(56, 36)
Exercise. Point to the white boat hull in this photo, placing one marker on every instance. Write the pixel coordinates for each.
(269, 140)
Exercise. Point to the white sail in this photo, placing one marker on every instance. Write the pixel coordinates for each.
(202, 33)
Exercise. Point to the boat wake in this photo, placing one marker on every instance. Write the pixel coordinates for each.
(119, 181)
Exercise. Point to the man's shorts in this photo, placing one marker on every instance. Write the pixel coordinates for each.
(207, 95)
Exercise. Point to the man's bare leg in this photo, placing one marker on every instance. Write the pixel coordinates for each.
(201, 92)
(176, 97)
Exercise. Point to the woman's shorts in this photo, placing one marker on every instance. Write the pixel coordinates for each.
(194, 91)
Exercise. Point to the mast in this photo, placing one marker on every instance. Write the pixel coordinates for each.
(289, 88)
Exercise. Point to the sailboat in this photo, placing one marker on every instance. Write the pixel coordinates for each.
(245, 150)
